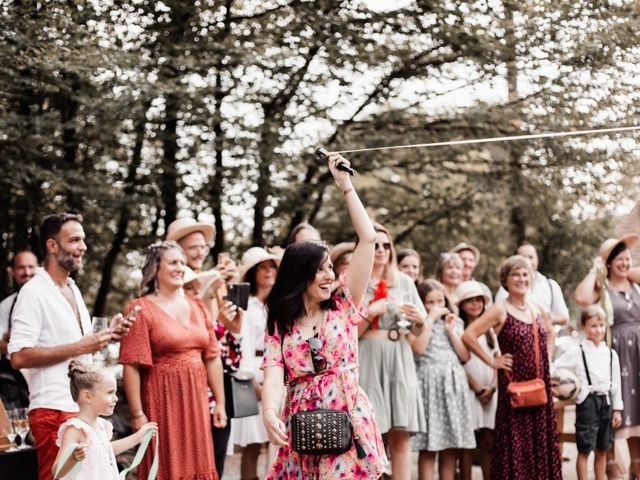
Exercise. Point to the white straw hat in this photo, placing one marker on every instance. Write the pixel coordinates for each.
(253, 257)
(184, 226)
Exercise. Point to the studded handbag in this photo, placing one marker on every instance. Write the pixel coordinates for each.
(321, 432)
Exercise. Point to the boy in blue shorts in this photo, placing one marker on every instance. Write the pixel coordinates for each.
(599, 403)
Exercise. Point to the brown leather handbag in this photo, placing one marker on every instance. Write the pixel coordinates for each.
(529, 393)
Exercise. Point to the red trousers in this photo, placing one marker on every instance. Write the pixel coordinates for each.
(44, 428)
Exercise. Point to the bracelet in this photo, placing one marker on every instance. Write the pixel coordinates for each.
(137, 414)
(347, 191)
(491, 363)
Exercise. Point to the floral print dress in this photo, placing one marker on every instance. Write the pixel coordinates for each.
(334, 388)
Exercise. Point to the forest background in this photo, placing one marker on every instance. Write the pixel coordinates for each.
(135, 112)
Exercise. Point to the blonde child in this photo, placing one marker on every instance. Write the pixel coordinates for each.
(599, 403)
(94, 390)
(444, 387)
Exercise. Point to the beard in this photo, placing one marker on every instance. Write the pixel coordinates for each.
(67, 261)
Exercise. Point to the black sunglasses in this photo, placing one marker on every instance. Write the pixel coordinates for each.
(318, 359)
(386, 246)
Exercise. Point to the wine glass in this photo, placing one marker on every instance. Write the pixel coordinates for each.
(11, 434)
(99, 324)
(21, 426)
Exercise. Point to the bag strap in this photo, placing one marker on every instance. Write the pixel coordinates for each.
(586, 369)
(536, 346)
(551, 291)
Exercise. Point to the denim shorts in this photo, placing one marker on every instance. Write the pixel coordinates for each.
(593, 424)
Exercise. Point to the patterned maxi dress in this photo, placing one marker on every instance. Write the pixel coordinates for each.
(526, 439)
(626, 343)
(336, 388)
(173, 376)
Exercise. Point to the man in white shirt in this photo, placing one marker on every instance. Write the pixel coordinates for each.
(51, 325)
(23, 268)
(545, 292)
(14, 392)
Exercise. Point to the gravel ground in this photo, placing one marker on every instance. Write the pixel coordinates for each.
(232, 465)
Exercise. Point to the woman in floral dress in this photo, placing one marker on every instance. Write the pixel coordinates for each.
(303, 311)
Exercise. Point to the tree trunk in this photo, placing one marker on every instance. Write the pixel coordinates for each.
(516, 182)
(123, 220)
(169, 180)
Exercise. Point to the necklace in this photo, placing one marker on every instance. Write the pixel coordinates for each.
(107, 448)
(313, 323)
(524, 308)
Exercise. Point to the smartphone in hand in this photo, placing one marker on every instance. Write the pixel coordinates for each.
(238, 294)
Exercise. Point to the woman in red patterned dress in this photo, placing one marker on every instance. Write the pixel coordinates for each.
(169, 358)
(526, 439)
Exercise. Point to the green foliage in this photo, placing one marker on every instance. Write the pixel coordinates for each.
(133, 112)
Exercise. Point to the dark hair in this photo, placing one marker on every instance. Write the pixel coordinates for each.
(465, 319)
(52, 224)
(298, 228)
(297, 271)
(594, 310)
(18, 252)
(250, 276)
(617, 250)
(429, 285)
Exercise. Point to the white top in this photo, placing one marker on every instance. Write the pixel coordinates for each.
(101, 460)
(598, 365)
(5, 309)
(253, 328)
(544, 292)
(42, 318)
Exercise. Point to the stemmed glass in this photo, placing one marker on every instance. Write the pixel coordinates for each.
(21, 426)
(11, 434)
(99, 324)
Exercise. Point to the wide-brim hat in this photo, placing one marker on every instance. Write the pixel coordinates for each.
(611, 243)
(466, 246)
(471, 289)
(184, 226)
(205, 278)
(253, 257)
(340, 249)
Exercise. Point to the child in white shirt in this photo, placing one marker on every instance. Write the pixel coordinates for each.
(599, 403)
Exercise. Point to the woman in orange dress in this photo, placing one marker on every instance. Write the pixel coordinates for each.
(169, 358)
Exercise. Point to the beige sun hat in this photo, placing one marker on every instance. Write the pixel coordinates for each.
(184, 226)
(340, 249)
(466, 246)
(611, 243)
(471, 289)
(253, 257)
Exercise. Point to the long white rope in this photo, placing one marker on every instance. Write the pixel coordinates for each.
(498, 139)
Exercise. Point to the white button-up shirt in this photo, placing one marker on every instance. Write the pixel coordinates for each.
(544, 292)
(42, 317)
(597, 357)
(5, 310)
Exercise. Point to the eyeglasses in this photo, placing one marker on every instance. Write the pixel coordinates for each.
(386, 246)
(318, 359)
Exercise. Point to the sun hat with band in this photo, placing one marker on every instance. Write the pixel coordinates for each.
(611, 243)
(253, 257)
(471, 289)
(180, 228)
(462, 246)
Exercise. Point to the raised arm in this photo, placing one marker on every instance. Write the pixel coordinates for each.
(587, 292)
(359, 270)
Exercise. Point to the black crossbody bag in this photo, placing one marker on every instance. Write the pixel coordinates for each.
(322, 431)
